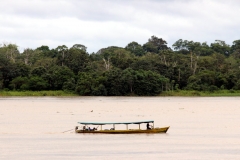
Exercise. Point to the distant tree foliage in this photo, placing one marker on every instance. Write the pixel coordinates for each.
(138, 69)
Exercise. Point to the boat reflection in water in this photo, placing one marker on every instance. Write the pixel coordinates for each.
(85, 129)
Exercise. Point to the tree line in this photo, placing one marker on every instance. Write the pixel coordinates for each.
(144, 70)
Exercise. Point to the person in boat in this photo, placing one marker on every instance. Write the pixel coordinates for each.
(84, 128)
(148, 126)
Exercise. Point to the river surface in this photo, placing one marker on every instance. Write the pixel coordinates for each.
(41, 128)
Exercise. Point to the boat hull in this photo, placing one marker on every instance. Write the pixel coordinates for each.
(131, 131)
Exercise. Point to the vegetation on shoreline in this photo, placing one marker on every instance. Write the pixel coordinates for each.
(151, 69)
(176, 93)
(185, 93)
(36, 93)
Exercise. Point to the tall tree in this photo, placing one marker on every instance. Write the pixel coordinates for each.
(80, 46)
(155, 45)
(77, 60)
(63, 51)
(221, 47)
(10, 51)
(135, 48)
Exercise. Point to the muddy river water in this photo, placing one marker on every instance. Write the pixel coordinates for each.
(42, 128)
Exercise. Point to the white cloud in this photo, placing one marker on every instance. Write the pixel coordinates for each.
(98, 24)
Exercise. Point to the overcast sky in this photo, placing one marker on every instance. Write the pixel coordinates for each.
(101, 23)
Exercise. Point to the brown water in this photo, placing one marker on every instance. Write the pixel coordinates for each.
(200, 128)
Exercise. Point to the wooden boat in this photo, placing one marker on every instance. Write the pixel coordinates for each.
(85, 129)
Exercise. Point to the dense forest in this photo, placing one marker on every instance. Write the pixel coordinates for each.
(147, 69)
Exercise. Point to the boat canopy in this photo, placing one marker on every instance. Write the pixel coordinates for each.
(104, 123)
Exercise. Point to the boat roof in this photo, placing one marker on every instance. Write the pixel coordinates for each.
(104, 123)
